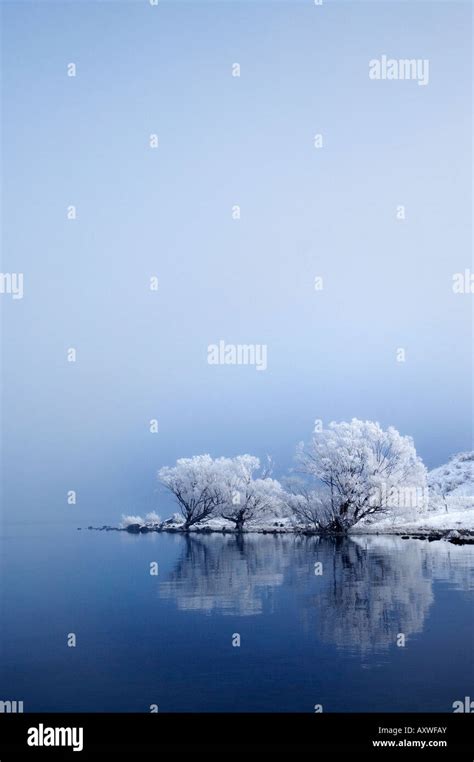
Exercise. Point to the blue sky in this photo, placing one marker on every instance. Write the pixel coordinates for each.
(305, 212)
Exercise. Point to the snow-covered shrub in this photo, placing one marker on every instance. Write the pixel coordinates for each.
(152, 518)
(130, 520)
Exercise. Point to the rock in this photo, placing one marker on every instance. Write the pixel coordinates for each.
(405, 536)
(459, 538)
(144, 530)
(133, 528)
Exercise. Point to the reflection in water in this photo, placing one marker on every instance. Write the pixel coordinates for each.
(373, 594)
(227, 574)
(371, 588)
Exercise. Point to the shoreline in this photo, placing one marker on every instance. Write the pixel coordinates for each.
(455, 536)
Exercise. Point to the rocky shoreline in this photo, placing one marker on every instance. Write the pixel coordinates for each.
(454, 536)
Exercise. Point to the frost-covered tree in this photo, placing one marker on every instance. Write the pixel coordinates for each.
(363, 470)
(247, 494)
(306, 505)
(196, 484)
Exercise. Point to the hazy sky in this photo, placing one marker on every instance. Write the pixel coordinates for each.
(167, 212)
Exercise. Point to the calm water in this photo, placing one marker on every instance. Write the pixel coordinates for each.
(167, 639)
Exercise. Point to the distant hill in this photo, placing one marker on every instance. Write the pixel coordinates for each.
(455, 478)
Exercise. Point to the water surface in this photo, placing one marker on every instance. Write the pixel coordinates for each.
(305, 638)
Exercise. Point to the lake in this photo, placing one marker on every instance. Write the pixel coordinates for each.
(307, 639)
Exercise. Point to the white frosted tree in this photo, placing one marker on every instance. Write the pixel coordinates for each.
(363, 470)
(248, 494)
(196, 484)
(306, 505)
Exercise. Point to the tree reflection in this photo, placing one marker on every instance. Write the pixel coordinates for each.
(227, 574)
(371, 589)
(374, 591)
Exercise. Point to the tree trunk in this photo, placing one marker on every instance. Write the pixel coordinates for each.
(336, 527)
(239, 525)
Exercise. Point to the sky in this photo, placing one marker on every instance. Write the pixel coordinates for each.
(306, 212)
